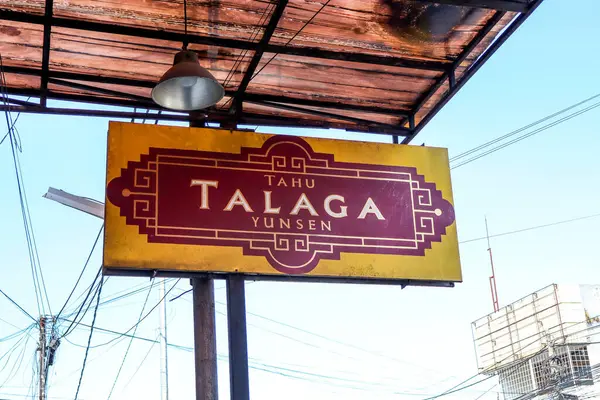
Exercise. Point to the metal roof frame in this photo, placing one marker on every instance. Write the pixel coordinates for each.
(407, 129)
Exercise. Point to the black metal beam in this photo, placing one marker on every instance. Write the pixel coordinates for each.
(236, 104)
(475, 67)
(390, 129)
(238, 338)
(81, 77)
(105, 101)
(450, 75)
(103, 27)
(18, 102)
(94, 113)
(49, 6)
(149, 84)
(325, 104)
(364, 58)
(500, 5)
(222, 42)
(214, 117)
(145, 101)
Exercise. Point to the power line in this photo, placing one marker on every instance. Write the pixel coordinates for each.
(129, 345)
(132, 291)
(323, 337)
(136, 324)
(506, 136)
(98, 275)
(18, 306)
(514, 367)
(16, 334)
(276, 369)
(89, 339)
(34, 259)
(143, 361)
(13, 125)
(82, 271)
(254, 34)
(460, 387)
(532, 228)
(535, 132)
(315, 335)
(293, 37)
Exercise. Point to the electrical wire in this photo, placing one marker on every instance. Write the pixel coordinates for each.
(129, 345)
(331, 340)
(17, 366)
(285, 45)
(18, 306)
(136, 324)
(129, 292)
(89, 339)
(92, 289)
(181, 294)
(532, 228)
(16, 334)
(316, 346)
(82, 271)
(9, 354)
(530, 134)
(243, 53)
(510, 134)
(13, 125)
(37, 274)
(310, 376)
(132, 291)
(293, 37)
(460, 387)
(354, 347)
(142, 362)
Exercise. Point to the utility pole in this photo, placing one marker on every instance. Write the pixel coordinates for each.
(42, 367)
(164, 366)
(205, 336)
(205, 342)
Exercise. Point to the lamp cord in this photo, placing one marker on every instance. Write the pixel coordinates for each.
(185, 41)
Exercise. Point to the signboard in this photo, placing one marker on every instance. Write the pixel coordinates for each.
(207, 200)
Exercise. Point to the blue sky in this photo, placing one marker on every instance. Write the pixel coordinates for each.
(415, 342)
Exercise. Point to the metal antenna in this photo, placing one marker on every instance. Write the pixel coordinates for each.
(493, 287)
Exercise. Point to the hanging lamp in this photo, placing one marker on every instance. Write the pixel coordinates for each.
(187, 86)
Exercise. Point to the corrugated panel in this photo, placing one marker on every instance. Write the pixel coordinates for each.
(30, 6)
(339, 81)
(21, 44)
(236, 19)
(344, 57)
(389, 28)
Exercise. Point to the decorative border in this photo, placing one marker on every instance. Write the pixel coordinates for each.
(135, 192)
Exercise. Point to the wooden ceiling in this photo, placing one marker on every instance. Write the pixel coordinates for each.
(381, 66)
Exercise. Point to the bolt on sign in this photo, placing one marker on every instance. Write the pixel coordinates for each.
(200, 200)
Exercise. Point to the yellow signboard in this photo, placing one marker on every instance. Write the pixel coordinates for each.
(216, 201)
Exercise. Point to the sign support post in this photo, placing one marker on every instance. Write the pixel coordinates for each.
(205, 343)
(238, 338)
(205, 334)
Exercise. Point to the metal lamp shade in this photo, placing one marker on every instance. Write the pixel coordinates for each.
(187, 86)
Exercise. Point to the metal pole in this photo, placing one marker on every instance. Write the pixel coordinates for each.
(493, 287)
(205, 343)
(238, 340)
(205, 335)
(164, 367)
(42, 367)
